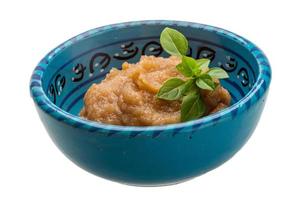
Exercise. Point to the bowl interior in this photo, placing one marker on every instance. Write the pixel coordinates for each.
(73, 68)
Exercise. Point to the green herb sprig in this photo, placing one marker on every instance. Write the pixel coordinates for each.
(197, 73)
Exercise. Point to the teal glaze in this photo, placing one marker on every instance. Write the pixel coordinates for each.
(156, 155)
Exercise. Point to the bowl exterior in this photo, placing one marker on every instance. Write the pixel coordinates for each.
(149, 160)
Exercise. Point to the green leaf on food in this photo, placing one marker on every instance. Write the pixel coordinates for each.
(188, 67)
(218, 73)
(192, 106)
(173, 42)
(205, 82)
(172, 89)
(198, 76)
(203, 64)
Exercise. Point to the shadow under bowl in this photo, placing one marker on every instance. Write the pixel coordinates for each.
(154, 155)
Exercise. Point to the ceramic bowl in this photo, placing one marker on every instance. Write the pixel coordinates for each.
(154, 155)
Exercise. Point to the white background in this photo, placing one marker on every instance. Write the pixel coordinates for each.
(31, 167)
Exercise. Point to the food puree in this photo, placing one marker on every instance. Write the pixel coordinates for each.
(127, 96)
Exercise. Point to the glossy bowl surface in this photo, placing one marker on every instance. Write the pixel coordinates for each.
(155, 155)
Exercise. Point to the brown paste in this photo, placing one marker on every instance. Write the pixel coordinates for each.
(127, 96)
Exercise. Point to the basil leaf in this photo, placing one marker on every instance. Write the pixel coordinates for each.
(192, 106)
(189, 86)
(188, 67)
(173, 42)
(205, 82)
(172, 89)
(217, 72)
(203, 64)
(199, 76)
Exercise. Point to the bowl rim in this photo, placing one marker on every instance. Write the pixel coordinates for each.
(256, 92)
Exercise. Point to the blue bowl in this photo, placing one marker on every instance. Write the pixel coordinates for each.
(155, 155)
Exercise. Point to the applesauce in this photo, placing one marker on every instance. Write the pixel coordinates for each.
(127, 96)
